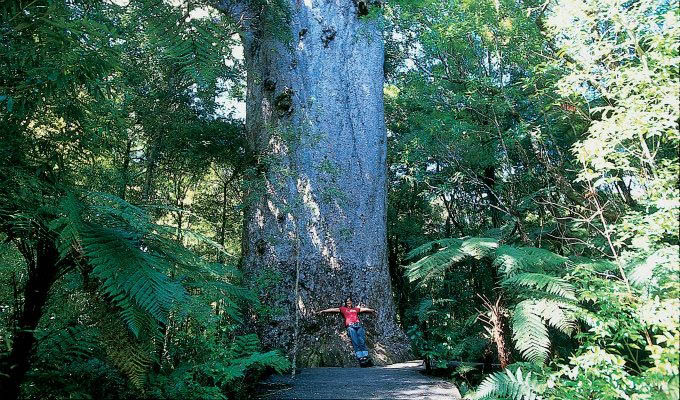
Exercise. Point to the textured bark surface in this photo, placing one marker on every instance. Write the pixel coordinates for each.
(315, 229)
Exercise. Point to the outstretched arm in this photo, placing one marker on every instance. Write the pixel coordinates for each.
(364, 309)
(329, 310)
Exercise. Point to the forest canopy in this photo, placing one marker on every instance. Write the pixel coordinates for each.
(507, 171)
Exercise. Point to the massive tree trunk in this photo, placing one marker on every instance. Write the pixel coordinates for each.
(315, 224)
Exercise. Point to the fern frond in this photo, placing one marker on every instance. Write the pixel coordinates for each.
(128, 354)
(447, 252)
(243, 355)
(69, 343)
(140, 322)
(506, 385)
(433, 265)
(244, 345)
(67, 225)
(424, 308)
(113, 207)
(223, 374)
(431, 246)
(558, 314)
(522, 268)
(543, 282)
(599, 265)
(664, 261)
(529, 332)
(511, 260)
(479, 247)
(127, 270)
(272, 359)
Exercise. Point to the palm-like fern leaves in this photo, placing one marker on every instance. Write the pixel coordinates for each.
(529, 332)
(541, 282)
(506, 385)
(243, 355)
(138, 263)
(141, 269)
(511, 260)
(126, 254)
(544, 300)
(447, 253)
(130, 271)
(131, 356)
(433, 265)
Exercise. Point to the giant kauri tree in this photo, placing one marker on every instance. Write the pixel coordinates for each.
(315, 220)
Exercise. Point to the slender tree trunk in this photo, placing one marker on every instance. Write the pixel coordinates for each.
(42, 263)
(497, 320)
(451, 219)
(147, 192)
(625, 192)
(315, 226)
(223, 220)
(489, 180)
(126, 171)
(499, 327)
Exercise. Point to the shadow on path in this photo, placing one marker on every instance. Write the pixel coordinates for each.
(396, 381)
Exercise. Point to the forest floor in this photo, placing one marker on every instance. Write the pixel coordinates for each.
(396, 381)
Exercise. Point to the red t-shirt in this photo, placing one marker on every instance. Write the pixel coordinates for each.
(351, 315)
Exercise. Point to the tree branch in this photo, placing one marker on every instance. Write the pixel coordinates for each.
(238, 10)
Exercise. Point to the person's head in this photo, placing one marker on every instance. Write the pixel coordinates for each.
(348, 302)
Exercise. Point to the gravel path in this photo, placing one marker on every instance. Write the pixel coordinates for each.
(396, 381)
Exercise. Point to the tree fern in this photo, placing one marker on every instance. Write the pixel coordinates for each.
(141, 271)
(243, 355)
(543, 299)
(529, 332)
(433, 265)
(506, 385)
(511, 260)
(131, 356)
(129, 270)
(479, 247)
(133, 258)
(541, 282)
(447, 252)
(428, 247)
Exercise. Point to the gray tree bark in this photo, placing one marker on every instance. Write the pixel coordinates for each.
(315, 223)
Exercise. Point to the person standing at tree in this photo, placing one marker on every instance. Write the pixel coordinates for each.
(355, 330)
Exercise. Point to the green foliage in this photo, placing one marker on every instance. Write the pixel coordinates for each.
(511, 260)
(220, 371)
(244, 355)
(128, 254)
(444, 254)
(115, 151)
(134, 260)
(530, 322)
(132, 357)
(544, 134)
(614, 319)
(507, 385)
(543, 300)
(541, 282)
